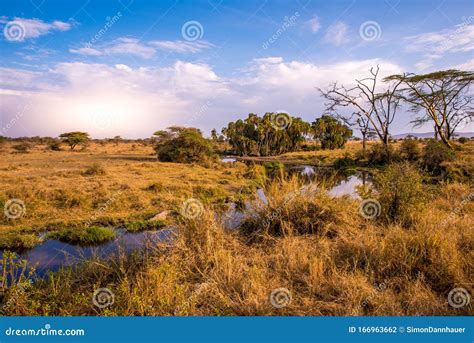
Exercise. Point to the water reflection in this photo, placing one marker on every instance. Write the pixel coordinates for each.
(53, 254)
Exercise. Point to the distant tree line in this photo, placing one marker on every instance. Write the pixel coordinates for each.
(278, 133)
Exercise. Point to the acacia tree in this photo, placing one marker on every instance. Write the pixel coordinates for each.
(442, 97)
(74, 138)
(373, 109)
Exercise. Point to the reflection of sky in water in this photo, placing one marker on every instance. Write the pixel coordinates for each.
(53, 254)
(347, 187)
(307, 171)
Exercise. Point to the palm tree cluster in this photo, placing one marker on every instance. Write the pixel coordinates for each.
(272, 134)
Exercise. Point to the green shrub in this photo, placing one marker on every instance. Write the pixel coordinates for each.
(400, 193)
(144, 225)
(17, 241)
(380, 155)
(410, 149)
(54, 145)
(332, 133)
(435, 155)
(182, 145)
(274, 169)
(463, 140)
(88, 235)
(345, 162)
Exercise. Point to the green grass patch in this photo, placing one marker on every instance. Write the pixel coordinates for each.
(18, 241)
(144, 225)
(87, 235)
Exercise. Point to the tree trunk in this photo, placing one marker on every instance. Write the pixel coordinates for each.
(443, 136)
(364, 141)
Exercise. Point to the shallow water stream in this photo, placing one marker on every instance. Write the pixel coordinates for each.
(51, 255)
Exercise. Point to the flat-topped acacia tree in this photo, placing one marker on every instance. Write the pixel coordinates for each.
(442, 97)
(74, 138)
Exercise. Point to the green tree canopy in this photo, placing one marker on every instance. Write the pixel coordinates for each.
(74, 138)
(182, 145)
(330, 132)
(274, 133)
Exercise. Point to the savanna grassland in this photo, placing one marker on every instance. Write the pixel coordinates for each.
(316, 252)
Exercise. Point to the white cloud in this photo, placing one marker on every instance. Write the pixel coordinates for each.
(314, 24)
(135, 102)
(34, 28)
(130, 46)
(87, 51)
(336, 34)
(182, 46)
(435, 45)
(133, 46)
(457, 39)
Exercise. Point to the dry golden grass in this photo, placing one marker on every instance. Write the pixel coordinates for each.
(347, 266)
(105, 183)
(330, 259)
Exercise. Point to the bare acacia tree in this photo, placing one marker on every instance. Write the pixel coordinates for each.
(375, 109)
(441, 97)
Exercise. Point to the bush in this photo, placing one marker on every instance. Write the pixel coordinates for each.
(95, 169)
(435, 155)
(379, 155)
(182, 145)
(274, 169)
(400, 193)
(410, 149)
(54, 145)
(463, 140)
(22, 147)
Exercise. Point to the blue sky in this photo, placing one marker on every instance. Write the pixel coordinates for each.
(132, 67)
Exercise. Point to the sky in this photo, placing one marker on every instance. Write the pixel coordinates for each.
(133, 67)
